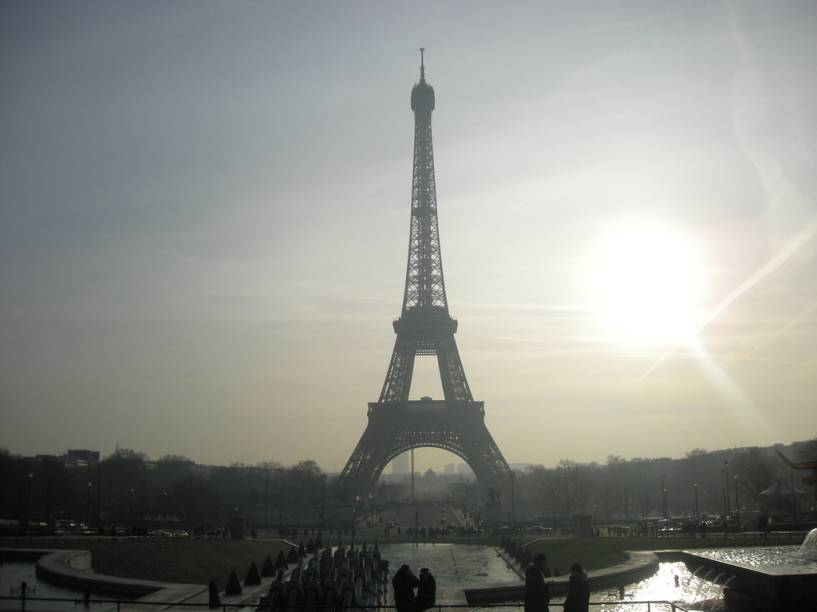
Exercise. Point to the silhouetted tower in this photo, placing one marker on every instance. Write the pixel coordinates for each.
(425, 327)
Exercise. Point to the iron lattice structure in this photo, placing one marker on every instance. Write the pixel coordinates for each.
(425, 327)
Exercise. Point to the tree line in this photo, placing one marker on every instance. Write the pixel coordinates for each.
(126, 488)
(620, 488)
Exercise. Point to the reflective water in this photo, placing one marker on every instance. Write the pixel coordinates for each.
(672, 582)
(462, 566)
(772, 559)
(455, 566)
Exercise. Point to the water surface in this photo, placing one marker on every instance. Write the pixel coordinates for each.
(454, 566)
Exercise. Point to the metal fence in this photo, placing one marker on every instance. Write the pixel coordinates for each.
(24, 601)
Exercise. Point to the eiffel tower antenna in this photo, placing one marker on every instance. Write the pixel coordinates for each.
(456, 422)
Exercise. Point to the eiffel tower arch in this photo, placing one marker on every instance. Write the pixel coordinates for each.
(425, 327)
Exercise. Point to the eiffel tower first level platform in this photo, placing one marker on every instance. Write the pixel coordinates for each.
(425, 327)
(393, 430)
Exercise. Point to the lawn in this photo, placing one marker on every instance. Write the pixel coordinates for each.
(596, 553)
(172, 560)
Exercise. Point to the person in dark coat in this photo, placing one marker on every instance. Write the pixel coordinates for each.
(537, 593)
(578, 590)
(404, 583)
(427, 591)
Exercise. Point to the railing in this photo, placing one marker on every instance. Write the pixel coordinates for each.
(87, 602)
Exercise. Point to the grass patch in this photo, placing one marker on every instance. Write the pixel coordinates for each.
(172, 560)
(597, 553)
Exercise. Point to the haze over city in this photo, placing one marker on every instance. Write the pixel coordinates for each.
(205, 213)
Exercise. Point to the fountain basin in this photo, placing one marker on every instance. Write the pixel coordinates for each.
(776, 577)
(639, 565)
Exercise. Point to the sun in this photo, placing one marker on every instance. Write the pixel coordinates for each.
(647, 280)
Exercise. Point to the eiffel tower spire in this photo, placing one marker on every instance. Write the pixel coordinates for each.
(425, 327)
(425, 287)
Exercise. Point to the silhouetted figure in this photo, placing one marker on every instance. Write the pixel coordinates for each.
(578, 590)
(427, 591)
(537, 593)
(212, 595)
(404, 583)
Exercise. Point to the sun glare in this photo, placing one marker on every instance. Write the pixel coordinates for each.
(647, 280)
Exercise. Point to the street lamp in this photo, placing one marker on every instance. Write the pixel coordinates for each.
(99, 496)
(697, 513)
(88, 504)
(266, 497)
(664, 497)
(513, 499)
(737, 502)
(724, 508)
(323, 514)
(28, 501)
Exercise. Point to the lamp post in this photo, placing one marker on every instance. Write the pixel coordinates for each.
(697, 513)
(354, 514)
(412, 475)
(737, 502)
(88, 504)
(28, 501)
(726, 484)
(266, 497)
(130, 508)
(323, 513)
(99, 496)
(664, 497)
(723, 496)
(513, 499)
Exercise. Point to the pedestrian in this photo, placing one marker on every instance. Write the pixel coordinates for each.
(537, 593)
(404, 583)
(578, 590)
(427, 591)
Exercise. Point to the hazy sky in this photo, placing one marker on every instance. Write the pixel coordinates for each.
(205, 213)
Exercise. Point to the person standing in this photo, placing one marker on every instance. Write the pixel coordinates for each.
(427, 591)
(537, 592)
(404, 583)
(578, 590)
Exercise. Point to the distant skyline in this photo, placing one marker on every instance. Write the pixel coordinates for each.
(204, 214)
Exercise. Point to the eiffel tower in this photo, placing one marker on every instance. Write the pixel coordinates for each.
(425, 327)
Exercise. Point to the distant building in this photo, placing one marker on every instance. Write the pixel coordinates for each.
(76, 458)
(450, 468)
(463, 468)
(401, 464)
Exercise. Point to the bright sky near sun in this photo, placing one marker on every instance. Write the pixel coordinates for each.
(205, 214)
